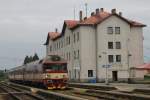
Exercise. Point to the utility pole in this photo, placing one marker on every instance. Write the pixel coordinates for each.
(74, 13)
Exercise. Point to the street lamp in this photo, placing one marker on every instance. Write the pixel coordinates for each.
(106, 66)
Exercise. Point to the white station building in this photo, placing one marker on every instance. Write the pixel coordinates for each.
(102, 45)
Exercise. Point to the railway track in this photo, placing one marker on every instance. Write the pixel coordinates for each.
(17, 94)
(46, 94)
(88, 93)
(69, 94)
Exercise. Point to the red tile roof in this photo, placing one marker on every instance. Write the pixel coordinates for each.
(134, 23)
(92, 20)
(71, 23)
(53, 35)
(95, 18)
(144, 67)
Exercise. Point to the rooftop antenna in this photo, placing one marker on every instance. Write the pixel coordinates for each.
(74, 12)
(86, 4)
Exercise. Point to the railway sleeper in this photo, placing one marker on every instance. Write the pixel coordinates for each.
(106, 88)
(96, 96)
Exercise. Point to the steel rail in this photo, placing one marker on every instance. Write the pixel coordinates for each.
(18, 95)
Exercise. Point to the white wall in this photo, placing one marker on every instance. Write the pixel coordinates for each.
(103, 39)
(136, 44)
(88, 52)
(93, 42)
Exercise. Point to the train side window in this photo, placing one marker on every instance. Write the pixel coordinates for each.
(64, 67)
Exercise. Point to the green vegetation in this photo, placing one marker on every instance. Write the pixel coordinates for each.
(147, 77)
(2, 75)
(31, 59)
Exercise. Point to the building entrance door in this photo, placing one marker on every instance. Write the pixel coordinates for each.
(115, 75)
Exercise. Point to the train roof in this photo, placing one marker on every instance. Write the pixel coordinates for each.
(53, 58)
(15, 68)
(47, 59)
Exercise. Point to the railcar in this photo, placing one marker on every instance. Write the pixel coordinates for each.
(50, 72)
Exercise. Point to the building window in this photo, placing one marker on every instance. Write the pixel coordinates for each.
(69, 55)
(54, 46)
(57, 46)
(117, 30)
(110, 58)
(70, 74)
(110, 30)
(77, 36)
(74, 37)
(118, 58)
(110, 45)
(66, 41)
(50, 48)
(118, 45)
(61, 43)
(90, 73)
(69, 40)
(78, 54)
(74, 54)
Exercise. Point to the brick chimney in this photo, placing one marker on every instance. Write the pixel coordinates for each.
(102, 10)
(56, 30)
(113, 11)
(92, 14)
(80, 15)
(85, 18)
(97, 11)
(120, 13)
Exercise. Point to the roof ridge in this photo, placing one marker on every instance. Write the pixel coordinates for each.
(94, 19)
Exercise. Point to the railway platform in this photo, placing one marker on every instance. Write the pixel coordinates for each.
(119, 86)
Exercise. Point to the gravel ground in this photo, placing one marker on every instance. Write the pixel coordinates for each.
(5, 97)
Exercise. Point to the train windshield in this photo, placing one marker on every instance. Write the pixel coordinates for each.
(55, 67)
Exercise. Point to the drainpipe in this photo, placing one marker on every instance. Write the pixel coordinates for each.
(96, 52)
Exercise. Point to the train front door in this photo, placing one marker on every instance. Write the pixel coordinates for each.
(115, 75)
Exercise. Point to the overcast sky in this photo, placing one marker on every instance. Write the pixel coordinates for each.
(24, 24)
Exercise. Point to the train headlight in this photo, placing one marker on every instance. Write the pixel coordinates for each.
(45, 76)
(48, 76)
(64, 76)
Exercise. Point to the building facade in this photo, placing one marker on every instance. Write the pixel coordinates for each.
(104, 45)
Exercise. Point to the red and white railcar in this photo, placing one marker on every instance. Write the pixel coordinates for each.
(50, 72)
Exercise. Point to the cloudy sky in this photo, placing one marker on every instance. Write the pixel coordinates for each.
(24, 23)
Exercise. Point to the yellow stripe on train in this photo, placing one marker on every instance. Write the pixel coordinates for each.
(56, 75)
